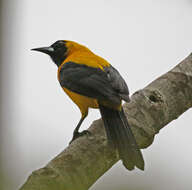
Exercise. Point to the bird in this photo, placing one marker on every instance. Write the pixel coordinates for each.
(92, 82)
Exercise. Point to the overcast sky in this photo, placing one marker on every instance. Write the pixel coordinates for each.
(142, 39)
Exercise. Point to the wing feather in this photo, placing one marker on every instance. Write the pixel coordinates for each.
(92, 82)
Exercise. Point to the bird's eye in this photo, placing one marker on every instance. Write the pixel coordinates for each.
(59, 44)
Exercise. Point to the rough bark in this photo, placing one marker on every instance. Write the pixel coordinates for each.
(89, 157)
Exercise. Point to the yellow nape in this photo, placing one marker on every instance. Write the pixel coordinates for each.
(80, 54)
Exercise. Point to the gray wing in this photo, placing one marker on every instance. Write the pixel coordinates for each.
(118, 83)
(105, 85)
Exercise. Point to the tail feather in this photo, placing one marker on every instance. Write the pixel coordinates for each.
(120, 136)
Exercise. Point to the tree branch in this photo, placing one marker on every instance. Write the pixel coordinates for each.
(89, 157)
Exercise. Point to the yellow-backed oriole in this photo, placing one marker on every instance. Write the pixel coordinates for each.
(91, 82)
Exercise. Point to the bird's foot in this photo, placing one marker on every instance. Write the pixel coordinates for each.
(77, 134)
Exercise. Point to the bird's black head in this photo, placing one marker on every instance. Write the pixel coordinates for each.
(57, 51)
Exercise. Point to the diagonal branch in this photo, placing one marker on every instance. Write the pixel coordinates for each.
(89, 157)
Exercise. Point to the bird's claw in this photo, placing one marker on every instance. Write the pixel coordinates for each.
(79, 134)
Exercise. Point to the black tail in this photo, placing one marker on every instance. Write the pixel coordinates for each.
(120, 136)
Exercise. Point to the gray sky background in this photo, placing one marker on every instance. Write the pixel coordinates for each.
(142, 39)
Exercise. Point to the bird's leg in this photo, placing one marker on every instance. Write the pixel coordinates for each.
(76, 132)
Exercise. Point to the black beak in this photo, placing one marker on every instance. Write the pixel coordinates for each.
(47, 50)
